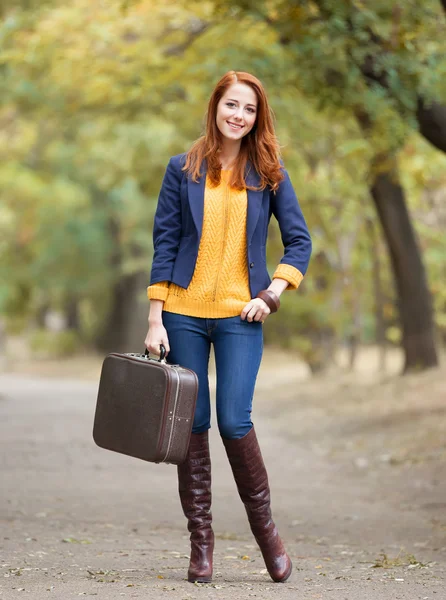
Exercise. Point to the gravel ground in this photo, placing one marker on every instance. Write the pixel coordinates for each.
(357, 470)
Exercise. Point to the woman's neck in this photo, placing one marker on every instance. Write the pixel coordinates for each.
(228, 153)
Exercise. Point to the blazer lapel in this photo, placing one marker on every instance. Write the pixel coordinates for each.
(254, 201)
(195, 192)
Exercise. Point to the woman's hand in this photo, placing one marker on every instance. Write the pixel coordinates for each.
(255, 310)
(156, 336)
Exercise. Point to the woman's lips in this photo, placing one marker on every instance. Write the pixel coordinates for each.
(234, 125)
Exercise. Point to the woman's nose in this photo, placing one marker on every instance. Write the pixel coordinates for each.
(239, 114)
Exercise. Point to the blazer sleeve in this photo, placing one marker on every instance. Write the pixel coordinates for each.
(167, 225)
(294, 232)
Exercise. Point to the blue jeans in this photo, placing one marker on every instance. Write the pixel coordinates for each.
(238, 347)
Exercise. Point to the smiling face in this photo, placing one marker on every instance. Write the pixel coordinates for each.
(237, 111)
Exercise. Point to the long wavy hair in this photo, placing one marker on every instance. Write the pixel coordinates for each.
(260, 146)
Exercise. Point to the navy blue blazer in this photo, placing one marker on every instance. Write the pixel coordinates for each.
(179, 220)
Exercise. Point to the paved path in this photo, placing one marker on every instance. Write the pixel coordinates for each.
(77, 520)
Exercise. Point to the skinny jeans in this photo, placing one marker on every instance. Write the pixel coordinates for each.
(238, 348)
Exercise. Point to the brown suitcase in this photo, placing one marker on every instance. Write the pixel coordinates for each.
(145, 407)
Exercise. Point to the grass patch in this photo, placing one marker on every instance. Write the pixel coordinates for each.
(402, 560)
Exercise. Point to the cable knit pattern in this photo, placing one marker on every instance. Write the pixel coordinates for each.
(252, 482)
(194, 484)
(220, 283)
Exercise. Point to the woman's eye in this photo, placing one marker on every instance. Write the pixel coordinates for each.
(230, 104)
(251, 110)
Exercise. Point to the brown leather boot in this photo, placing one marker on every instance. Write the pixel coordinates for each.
(194, 484)
(252, 483)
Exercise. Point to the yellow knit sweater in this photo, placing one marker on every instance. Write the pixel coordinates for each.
(220, 283)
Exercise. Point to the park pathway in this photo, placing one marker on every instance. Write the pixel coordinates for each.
(76, 520)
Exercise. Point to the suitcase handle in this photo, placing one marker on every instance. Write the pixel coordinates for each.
(162, 357)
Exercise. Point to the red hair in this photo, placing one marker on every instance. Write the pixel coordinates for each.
(260, 146)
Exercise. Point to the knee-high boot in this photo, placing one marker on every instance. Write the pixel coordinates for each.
(252, 483)
(194, 484)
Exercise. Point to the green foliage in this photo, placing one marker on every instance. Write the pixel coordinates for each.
(54, 344)
(339, 54)
(95, 97)
(306, 326)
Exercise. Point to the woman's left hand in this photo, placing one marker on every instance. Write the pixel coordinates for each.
(255, 310)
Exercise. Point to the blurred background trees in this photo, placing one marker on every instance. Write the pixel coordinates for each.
(95, 97)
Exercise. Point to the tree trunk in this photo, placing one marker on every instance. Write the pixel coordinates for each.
(414, 299)
(72, 314)
(380, 327)
(355, 334)
(126, 324)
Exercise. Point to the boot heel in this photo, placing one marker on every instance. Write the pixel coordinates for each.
(286, 576)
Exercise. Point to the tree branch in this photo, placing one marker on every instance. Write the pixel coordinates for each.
(195, 28)
(431, 116)
(431, 119)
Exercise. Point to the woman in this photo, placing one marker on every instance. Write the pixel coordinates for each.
(209, 285)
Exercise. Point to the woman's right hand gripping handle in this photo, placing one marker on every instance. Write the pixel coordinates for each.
(157, 333)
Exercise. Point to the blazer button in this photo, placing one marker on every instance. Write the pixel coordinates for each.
(251, 265)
